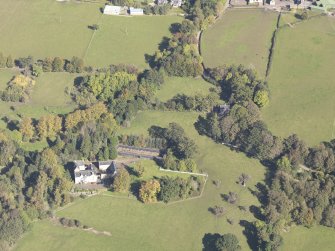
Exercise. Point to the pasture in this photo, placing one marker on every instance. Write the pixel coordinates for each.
(128, 39)
(127, 219)
(50, 28)
(60, 238)
(302, 83)
(241, 36)
(187, 86)
(316, 238)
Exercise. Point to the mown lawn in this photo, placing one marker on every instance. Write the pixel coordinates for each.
(47, 28)
(240, 37)
(302, 82)
(187, 86)
(179, 226)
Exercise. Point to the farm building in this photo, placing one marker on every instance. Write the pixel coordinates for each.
(135, 11)
(88, 173)
(112, 10)
(176, 3)
(161, 2)
(260, 2)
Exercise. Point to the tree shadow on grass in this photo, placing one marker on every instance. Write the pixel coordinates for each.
(150, 60)
(250, 233)
(257, 213)
(135, 188)
(164, 44)
(201, 125)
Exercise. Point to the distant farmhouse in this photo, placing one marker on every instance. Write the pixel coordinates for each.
(136, 11)
(222, 110)
(161, 2)
(93, 172)
(112, 10)
(260, 2)
(176, 3)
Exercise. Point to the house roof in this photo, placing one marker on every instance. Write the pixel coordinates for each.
(79, 162)
(85, 173)
(162, 1)
(106, 162)
(176, 2)
(135, 10)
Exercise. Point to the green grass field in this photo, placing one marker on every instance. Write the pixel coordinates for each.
(50, 28)
(46, 28)
(240, 37)
(127, 39)
(301, 82)
(309, 239)
(187, 86)
(5, 76)
(179, 226)
(59, 238)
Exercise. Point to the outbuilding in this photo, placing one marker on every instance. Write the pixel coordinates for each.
(136, 11)
(112, 10)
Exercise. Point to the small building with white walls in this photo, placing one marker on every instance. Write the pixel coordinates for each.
(259, 2)
(135, 11)
(112, 10)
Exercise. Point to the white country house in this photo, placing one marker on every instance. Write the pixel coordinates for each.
(93, 172)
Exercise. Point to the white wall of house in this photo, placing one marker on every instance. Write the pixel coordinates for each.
(86, 179)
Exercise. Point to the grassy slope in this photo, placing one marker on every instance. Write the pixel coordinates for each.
(240, 37)
(5, 76)
(127, 39)
(59, 238)
(301, 82)
(50, 28)
(304, 239)
(191, 219)
(46, 28)
(188, 86)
